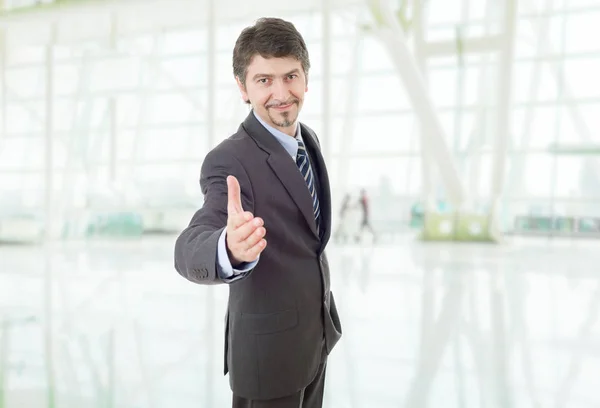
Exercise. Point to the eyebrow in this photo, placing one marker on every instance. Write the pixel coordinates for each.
(257, 76)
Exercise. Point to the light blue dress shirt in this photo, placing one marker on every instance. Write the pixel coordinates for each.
(224, 268)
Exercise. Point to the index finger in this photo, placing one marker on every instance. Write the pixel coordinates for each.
(236, 220)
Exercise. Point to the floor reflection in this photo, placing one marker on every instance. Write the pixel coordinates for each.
(425, 325)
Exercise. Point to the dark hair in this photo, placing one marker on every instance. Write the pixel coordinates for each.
(269, 37)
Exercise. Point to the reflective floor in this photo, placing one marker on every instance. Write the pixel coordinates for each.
(425, 325)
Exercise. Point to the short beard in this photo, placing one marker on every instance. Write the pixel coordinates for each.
(287, 121)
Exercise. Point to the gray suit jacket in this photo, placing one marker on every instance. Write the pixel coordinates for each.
(282, 314)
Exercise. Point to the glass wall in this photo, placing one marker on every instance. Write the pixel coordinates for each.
(125, 105)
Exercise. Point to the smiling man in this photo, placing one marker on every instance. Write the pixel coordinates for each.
(268, 182)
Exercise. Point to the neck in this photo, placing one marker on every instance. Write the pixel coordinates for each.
(290, 130)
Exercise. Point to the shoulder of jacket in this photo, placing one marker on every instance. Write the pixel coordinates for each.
(234, 143)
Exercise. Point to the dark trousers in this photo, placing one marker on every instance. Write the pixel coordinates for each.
(309, 397)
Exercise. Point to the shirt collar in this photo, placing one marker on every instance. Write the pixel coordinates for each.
(289, 143)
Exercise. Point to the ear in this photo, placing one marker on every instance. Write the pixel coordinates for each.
(242, 89)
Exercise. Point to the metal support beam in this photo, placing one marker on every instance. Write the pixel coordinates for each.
(211, 57)
(48, 133)
(428, 199)
(211, 102)
(49, 175)
(326, 80)
(477, 137)
(349, 113)
(112, 110)
(3, 82)
(393, 38)
(515, 176)
(112, 151)
(143, 85)
(504, 111)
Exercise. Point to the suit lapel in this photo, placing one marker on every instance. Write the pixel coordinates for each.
(284, 168)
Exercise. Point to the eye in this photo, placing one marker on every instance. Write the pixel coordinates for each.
(263, 80)
(292, 76)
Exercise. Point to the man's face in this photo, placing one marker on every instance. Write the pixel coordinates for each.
(275, 88)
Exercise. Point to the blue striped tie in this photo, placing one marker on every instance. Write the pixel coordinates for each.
(306, 171)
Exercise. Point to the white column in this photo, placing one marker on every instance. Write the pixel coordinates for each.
(49, 224)
(48, 131)
(112, 152)
(516, 179)
(426, 159)
(3, 82)
(349, 113)
(504, 108)
(211, 102)
(112, 111)
(326, 82)
(211, 58)
(478, 135)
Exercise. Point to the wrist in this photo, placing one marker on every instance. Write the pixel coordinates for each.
(232, 259)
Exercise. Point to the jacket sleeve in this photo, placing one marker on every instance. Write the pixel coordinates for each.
(196, 247)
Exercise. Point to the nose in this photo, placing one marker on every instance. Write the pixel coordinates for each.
(280, 91)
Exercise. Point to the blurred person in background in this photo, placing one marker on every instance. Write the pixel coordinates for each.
(268, 182)
(365, 222)
(341, 233)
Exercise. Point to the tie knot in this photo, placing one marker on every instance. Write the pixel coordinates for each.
(301, 148)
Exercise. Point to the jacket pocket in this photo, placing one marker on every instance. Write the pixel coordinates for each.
(265, 323)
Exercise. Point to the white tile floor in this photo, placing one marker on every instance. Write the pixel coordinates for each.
(425, 325)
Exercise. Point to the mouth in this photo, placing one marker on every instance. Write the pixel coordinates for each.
(282, 107)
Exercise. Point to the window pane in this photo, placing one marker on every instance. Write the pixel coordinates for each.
(579, 73)
(540, 132)
(536, 177)
(590, 114)
(381, 93)
(583, 31)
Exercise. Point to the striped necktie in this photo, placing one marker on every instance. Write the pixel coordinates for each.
(306, 171)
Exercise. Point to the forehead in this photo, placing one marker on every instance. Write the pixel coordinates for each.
(272, 66)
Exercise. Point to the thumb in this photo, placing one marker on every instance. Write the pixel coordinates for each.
(234, 196)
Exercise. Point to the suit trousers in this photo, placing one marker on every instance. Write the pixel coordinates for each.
(309, 397)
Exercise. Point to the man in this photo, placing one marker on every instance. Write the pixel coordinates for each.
(341, 232)
(268, 182)
(363, 202)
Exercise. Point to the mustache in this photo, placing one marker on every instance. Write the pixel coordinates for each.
(275, 104)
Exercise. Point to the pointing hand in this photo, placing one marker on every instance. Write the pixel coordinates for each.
(244, 231)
